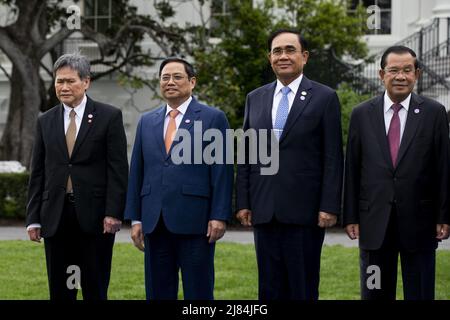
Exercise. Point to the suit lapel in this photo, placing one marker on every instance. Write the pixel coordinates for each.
(267, 99)
(60, 133)
(377, 117)
(158, 128)
(192, 114)
(89, 118)
(412, 121)
(298, 106)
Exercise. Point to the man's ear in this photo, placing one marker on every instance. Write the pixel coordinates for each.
(418, 73)
(305, 55)
(87, 82)
(381, 74)
(193, 82)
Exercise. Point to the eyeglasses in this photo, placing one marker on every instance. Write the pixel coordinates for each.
(279, 51)
(175, 77)
(396, 71)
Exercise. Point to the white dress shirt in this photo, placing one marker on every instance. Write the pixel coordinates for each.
(294, 85)
(79, 110)
(402, 113)
(182, 111)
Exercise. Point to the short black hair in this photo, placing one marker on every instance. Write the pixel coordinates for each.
(276, 33)
(399, 50)
(187, 66)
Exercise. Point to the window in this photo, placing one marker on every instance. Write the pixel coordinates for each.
(385, 14)
(98, 14)
(219, 9)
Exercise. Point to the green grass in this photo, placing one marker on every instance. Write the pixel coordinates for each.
(23, 273)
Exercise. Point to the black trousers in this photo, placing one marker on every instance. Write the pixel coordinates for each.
(418, 269)
(288, 258)
(71, 252)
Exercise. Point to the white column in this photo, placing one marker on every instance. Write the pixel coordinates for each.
(441, 10)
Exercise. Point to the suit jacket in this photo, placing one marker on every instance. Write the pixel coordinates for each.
(310, 172)
(98, 168)
(417, 186)
(186, 195)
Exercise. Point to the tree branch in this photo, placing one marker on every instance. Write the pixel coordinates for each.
(35, 35)
(8, 46)
(6, 73)
(54, 40)
(43, 66)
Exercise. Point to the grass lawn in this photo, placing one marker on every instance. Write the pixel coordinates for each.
(23, 274)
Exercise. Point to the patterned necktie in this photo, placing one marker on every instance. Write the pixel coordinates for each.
(394, 133)
(282, 113)
(171, 129)
(71, 136)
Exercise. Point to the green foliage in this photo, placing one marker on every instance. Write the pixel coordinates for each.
(348, 99)
(238, 63)
(13, 193)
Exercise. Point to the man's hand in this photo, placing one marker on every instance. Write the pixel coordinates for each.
(35, 234)
(245, 217)
(137, 236)
(352, 231)
(442, 231)
(326, 220)
(111, 225)
(216, 230)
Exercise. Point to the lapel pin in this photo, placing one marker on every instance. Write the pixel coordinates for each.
(303, 93)
(187, 121)
(302, 97)
(90, 116)
(416, 111)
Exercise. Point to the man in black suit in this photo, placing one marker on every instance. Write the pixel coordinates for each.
(290, 209)
(77, 187)
(396, 182)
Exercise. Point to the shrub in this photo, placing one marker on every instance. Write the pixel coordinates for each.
(348, 99)
(13, 195)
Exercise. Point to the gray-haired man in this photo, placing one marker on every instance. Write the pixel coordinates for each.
(77, 187)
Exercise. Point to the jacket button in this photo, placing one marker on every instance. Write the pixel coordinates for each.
(70, 165)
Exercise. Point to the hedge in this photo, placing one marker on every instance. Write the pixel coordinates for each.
(13, 195)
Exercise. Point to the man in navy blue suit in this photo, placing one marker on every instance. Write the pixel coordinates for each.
(178, 210)
(290, 209)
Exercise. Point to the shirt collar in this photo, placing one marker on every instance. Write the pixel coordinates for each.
(294, 85)
(79, 109)
(182, 108)
(388, 102)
